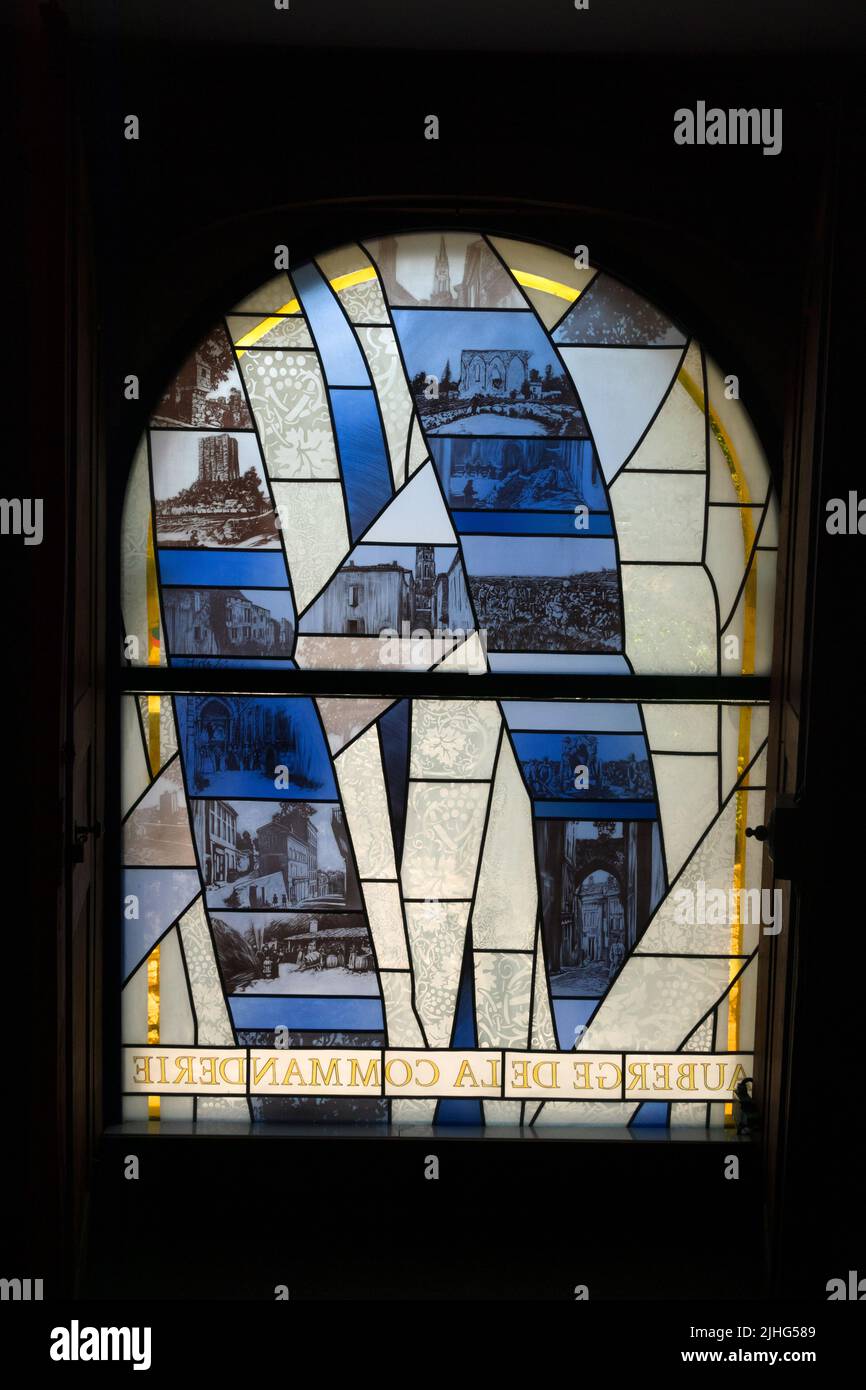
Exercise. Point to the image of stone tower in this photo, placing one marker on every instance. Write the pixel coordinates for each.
(425, 579)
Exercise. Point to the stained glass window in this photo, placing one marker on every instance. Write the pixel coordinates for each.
(387, 858)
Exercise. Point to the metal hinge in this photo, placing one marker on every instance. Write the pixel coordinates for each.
(79, 840)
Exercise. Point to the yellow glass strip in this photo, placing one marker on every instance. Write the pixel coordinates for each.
(153, 1019)
(153, 626)
(249, 339)
(744, 736)
(540, 282)
(355, 277)
(154, 744)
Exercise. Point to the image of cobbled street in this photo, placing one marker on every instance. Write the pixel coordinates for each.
(601, 881)
(259, 855)
(295, 953)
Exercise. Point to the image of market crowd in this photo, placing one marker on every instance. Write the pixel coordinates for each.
(295, 953)
(578, 613)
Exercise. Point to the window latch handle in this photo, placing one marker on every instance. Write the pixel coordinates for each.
(783, 834)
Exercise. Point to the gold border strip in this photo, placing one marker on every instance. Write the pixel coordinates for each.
(744, 737)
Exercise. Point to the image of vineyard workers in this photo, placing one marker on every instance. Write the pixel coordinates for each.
(207, 392)
(203, 622)
(210, 492)
(486, 372)
(518, 474)
(601, 881)
(295, 953)
(545, 594)
(266, 855)
(255, 746)
(585, 767)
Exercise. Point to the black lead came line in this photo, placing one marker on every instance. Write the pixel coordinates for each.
(432, 685)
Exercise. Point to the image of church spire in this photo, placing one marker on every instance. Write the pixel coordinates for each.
(442, 292)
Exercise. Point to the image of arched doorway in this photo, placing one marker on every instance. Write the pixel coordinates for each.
(213, 738)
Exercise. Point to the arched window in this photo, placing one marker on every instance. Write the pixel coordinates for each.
(447, 588)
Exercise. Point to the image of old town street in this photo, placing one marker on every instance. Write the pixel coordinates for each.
(601, 881)
(295, 953)
(381, 587)
(228, 622)
(274, 854)
(210, 492)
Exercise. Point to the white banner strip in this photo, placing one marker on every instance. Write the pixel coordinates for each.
(482, 1074)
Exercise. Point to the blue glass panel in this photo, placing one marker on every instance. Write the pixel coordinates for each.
(570, 1015)
(464, 1023)
(259, 569)
(531, 523)
(234, 663)
(625, 810)
(337, 345)
(160, 896)
(570, 714)
(459, 1112)
(235, 746)
(394, 729)
(306, 1013)
(558, 664)
(363, 456)
(652, 1113)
